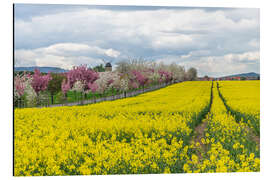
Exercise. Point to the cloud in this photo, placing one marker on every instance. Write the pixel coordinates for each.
(69, 49)
(63, 55)
(247, 56)
(192, 35)
(224, 65)
(217, 65)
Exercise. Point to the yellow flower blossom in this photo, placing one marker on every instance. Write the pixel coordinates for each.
(148, 133)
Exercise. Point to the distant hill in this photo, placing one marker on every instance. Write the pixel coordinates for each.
(250, 74)
(42, 69)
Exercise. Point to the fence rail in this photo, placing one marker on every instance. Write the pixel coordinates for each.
(45, 102)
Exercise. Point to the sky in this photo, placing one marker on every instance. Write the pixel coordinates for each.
(216, 41)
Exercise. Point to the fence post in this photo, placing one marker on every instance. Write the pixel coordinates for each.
(82, 98)
(52, 98)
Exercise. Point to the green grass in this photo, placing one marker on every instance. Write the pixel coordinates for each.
(73, 96)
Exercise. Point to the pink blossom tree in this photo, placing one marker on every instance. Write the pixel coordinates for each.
(93, 87)
(133, 85)
(65, 87)
(39, 81)
(78, 79)
(83, 74)
(19, 86)
(23, 88)
(165, 76)
(140, 78)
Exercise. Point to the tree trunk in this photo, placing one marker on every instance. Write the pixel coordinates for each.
(38, 99)
(65, 98)
(52, 98)
(82, 95)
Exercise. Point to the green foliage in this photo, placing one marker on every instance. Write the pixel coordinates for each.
(99, 68)
(191, 74)
(54, 85)
(243, 78)
(23, 72)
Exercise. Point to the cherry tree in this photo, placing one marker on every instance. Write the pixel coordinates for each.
(154, 77)
(19, 86)
(78, 79)
(104, 81)
(140, 78)
(83, 74)
(78, 86)
(165, 76)
(65, 86)
(30, 93)
(39, 81)
(23, 86)
(133, 85)
(93, 87)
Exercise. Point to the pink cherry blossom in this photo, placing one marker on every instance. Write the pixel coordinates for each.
(39, 81)
(82, 74)
(65, 86)
(93, 87)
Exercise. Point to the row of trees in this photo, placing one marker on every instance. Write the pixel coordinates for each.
(129, 75)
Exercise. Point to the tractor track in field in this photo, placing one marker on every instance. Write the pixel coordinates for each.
(198, 132)
(198, 135)
(252, 135)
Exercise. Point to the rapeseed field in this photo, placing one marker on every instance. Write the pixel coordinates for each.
(149, 133)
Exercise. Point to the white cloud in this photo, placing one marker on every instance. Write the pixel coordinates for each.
(171, 42)
(112, 53)
(226, 64)
(63, 55)
(216, 65)
(247, 56)
(67, 49)
(213, 40)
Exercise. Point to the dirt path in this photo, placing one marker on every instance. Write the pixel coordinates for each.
(253, 137)
(198, 135)
(199, 132)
